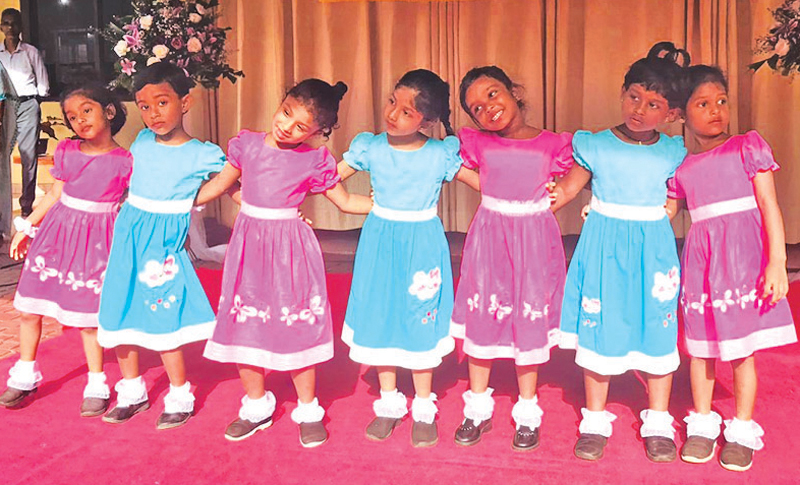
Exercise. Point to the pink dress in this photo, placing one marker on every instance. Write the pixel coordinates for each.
(724, 256)
(508, 303)
(274, 310)
(66, 263)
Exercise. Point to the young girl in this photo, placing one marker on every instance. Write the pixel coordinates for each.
(401, 299)
(734, 267)
(274, 311)
(152, 296)
(509, 296)
(66, 262)
(621, 295)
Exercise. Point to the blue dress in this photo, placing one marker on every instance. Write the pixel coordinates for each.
(401, 299)
(621, 296)
(151, 295)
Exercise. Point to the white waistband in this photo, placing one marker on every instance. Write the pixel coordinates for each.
(721, 208)
(628, 212)
(161, 206)
(405, 216)
(515, 207)
(87, 205)
(267, 213)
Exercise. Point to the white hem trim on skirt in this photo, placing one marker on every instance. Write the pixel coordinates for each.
(742, 347)
(269, 360)
(156, 341)
(52, 309)
(491, 352)
(406, 359)
(612, 366)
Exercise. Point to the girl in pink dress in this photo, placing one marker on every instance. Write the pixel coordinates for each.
(734, 267)
(508, 303)
(274, 311)
(65, 265)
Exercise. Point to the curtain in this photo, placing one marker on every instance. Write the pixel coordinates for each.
(570, 56)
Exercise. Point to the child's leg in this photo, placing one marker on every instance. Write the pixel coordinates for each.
(596, 389)
(179, 401)
(131, 389)
(745, 383)
(252, 380)
(526, 412)
(128, 359)
(478, 404)
(24, 375)
(657, 431)
(742, 434)
(175, 367)
(479, 372)
(423, 382)
(96, 394)
(595, 427)
(702, 425)
(30, 334)
(423, 409)
(387, 378)
(702, 373)
(308, 414)
(305, 384)
(527, 377)
(257, 408)
(390, 408)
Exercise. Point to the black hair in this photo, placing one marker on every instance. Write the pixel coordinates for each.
(322, 100)
(13, 12)
(164, 72)
(100, 94)
(695, 76)
(661, 71)
(432, 98)
(492, 72)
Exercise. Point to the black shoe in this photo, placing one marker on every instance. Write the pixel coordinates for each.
(660, 449)
(381, 428)
(13, 397)
(172, 420)
(525, 439)
(313, 434)
(120, 414)
(590, 446)
(468, 434)
(94, 406)
(424, 434)
(242, 428)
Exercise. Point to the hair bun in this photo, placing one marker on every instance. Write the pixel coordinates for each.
(667, 50)
(340, 89)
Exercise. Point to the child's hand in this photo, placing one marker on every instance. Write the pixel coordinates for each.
(552, 193)
(304, 218)
(585, 212)
(19, 246)
(776, 282)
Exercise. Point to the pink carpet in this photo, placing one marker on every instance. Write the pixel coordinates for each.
(47, 441)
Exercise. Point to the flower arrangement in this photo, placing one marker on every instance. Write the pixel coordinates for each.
(178, 31)
(783, 41)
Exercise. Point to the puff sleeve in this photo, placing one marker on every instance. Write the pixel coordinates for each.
(356, 155)
(211, 159)
(674, 189)
(582, 149)
(57, 172)
(236, 149)
(469, 144)
(452, 159)
(126, 169)
(757, 155)
(324, 175)
(677, 152)
(562, 161)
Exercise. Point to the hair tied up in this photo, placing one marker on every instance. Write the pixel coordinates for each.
(667, 50)
(340, 89)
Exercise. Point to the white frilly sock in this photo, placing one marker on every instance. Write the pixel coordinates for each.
(310, 412)
(130, 391)
(424, 410)
(526, 412)
(656, 423)
(596, 422)
(96, 386)
(392, 404)
(746, 433)
(179, 399)
(24, 375)
(478, 407)
(704, 425)
(257, 410)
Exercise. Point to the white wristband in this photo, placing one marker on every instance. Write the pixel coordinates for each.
(24, 226)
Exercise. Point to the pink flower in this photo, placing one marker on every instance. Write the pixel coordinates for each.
(176, 43)
(128, 67)
(194, 45)
(782, 47)
(200, 9)
(133, 39)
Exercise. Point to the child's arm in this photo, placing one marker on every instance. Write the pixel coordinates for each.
(218, 185)
(568, 187)
(17, 250)
(347, 202)
(776, 281)
(469, 177)
(345, 170)
(673, 206)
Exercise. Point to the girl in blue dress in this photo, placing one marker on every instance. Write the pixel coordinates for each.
(152, 297)
(398, 313)
(621, 295)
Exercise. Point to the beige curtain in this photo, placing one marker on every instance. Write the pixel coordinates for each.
(570, 56)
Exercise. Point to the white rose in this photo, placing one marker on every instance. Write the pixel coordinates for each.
(200, 9)
(146, 22)
(195, 18)
(782, 47)
(121, 48)
(160, 51)
(194, 45)
(153, 60)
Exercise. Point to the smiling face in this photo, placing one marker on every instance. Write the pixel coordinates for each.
(707, 112)
(644, 110)
(88, 118)
(293, 123)
(400, 114)
(491, 105)
(162, 109)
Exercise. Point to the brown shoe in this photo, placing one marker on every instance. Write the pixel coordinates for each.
(698, 449)
(120, 414)
(13, 397)
(94, 406)
(242, 428)
(736, 457)
(313, 434)
(660, 449)
(590, 446)
(172, 420)
(381, 428)
(424, 434)
(469, 434)
(525, 439)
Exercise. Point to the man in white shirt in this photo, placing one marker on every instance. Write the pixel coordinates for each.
(26, 70)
